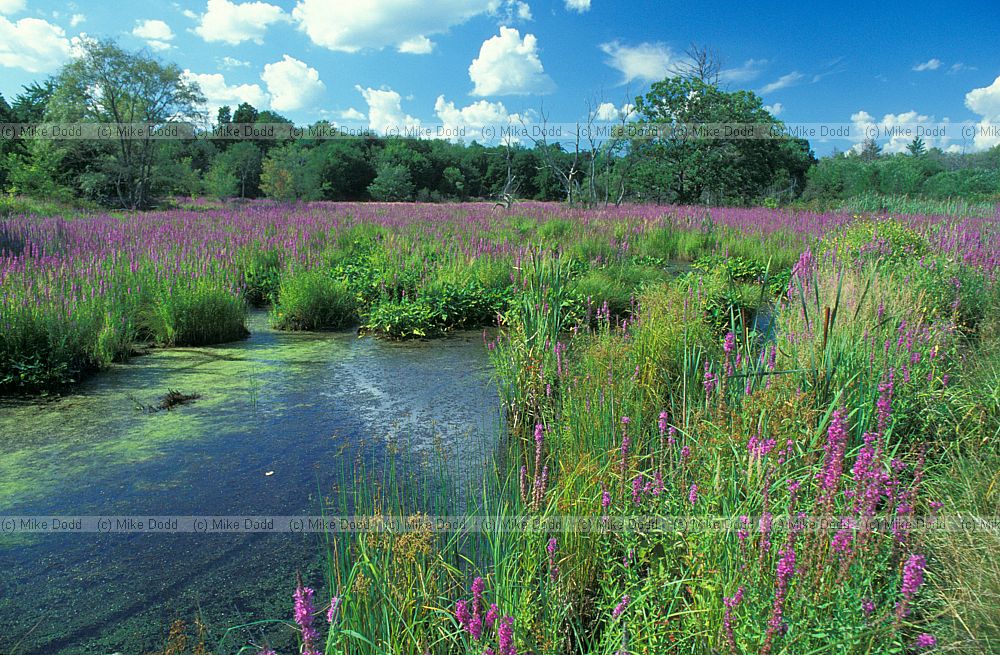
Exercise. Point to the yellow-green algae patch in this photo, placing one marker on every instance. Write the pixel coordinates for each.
(111, 422)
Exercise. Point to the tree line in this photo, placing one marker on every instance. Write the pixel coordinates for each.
(109, 84)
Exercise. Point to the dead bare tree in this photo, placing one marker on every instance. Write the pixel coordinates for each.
(701, 63)
(567, 173)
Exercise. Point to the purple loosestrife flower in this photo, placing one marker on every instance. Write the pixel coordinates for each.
(620, 607)
(693, 494)
(925, 641)
(867, 606)
(475, 627)
(303, 616)
(637, 490)
(331, 614)
(505, 636)
(491, 616)
(731, 602)
(913, 578)
(833, 465)
(728, 345)
(553, 567)
(710, 381)
(462, 614)
(785, 571)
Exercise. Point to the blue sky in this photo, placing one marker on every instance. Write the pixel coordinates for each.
(472, 61)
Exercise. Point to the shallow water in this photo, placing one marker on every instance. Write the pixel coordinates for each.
(301, 406)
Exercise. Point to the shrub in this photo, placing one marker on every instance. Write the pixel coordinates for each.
(261, 277)
(403, 319)
(198, 314)
(313, 300)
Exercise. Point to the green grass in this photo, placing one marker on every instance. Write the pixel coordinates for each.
(314, 300)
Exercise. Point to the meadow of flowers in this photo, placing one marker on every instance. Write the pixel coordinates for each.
(809, 399)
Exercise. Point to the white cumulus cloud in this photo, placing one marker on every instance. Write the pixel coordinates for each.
(607, 111)
(353, 25)
(76, 19)
(648, 62)
(385, 110)
(232, 23)
(293, 84)
(509, 65)
(156, 33)
(929, 65)
(217, 92)
(902, 128)
(351, 114)
(418, 45)
(985, 101)
(11, 6)
(775, 110)
(579, 6)
(32, 44)
(473, 118)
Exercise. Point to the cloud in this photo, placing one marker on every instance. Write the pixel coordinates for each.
(217, 92)
(232, 62)
(929, 65)
(775, 110)
(750, 70)
(293, 84)
(156, 33)
(607, 111)
(649, 62)
(76, 19)
(474, 117)
(11, 6)
(863, 122)
(354, 25)
(579, 6)
(418, 45)
(351, 114)
(958, 67)
(985, 101)
(385, 110)
(233, 23)
(509, 65)
(785, 81)
(33, 45)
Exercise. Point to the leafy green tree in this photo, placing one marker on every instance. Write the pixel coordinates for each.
(224, 115)
(243, 160)
(245, 113)
(220, 181)
(453, 182)
(290, 173)
(109, 85)
(682, 167)
(343, 169)
(392, 183)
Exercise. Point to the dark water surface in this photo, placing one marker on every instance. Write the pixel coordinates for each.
(301, 406)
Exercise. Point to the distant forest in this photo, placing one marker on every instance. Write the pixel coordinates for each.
(108, 84)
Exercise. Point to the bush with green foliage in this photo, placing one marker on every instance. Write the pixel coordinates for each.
(313, 300)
